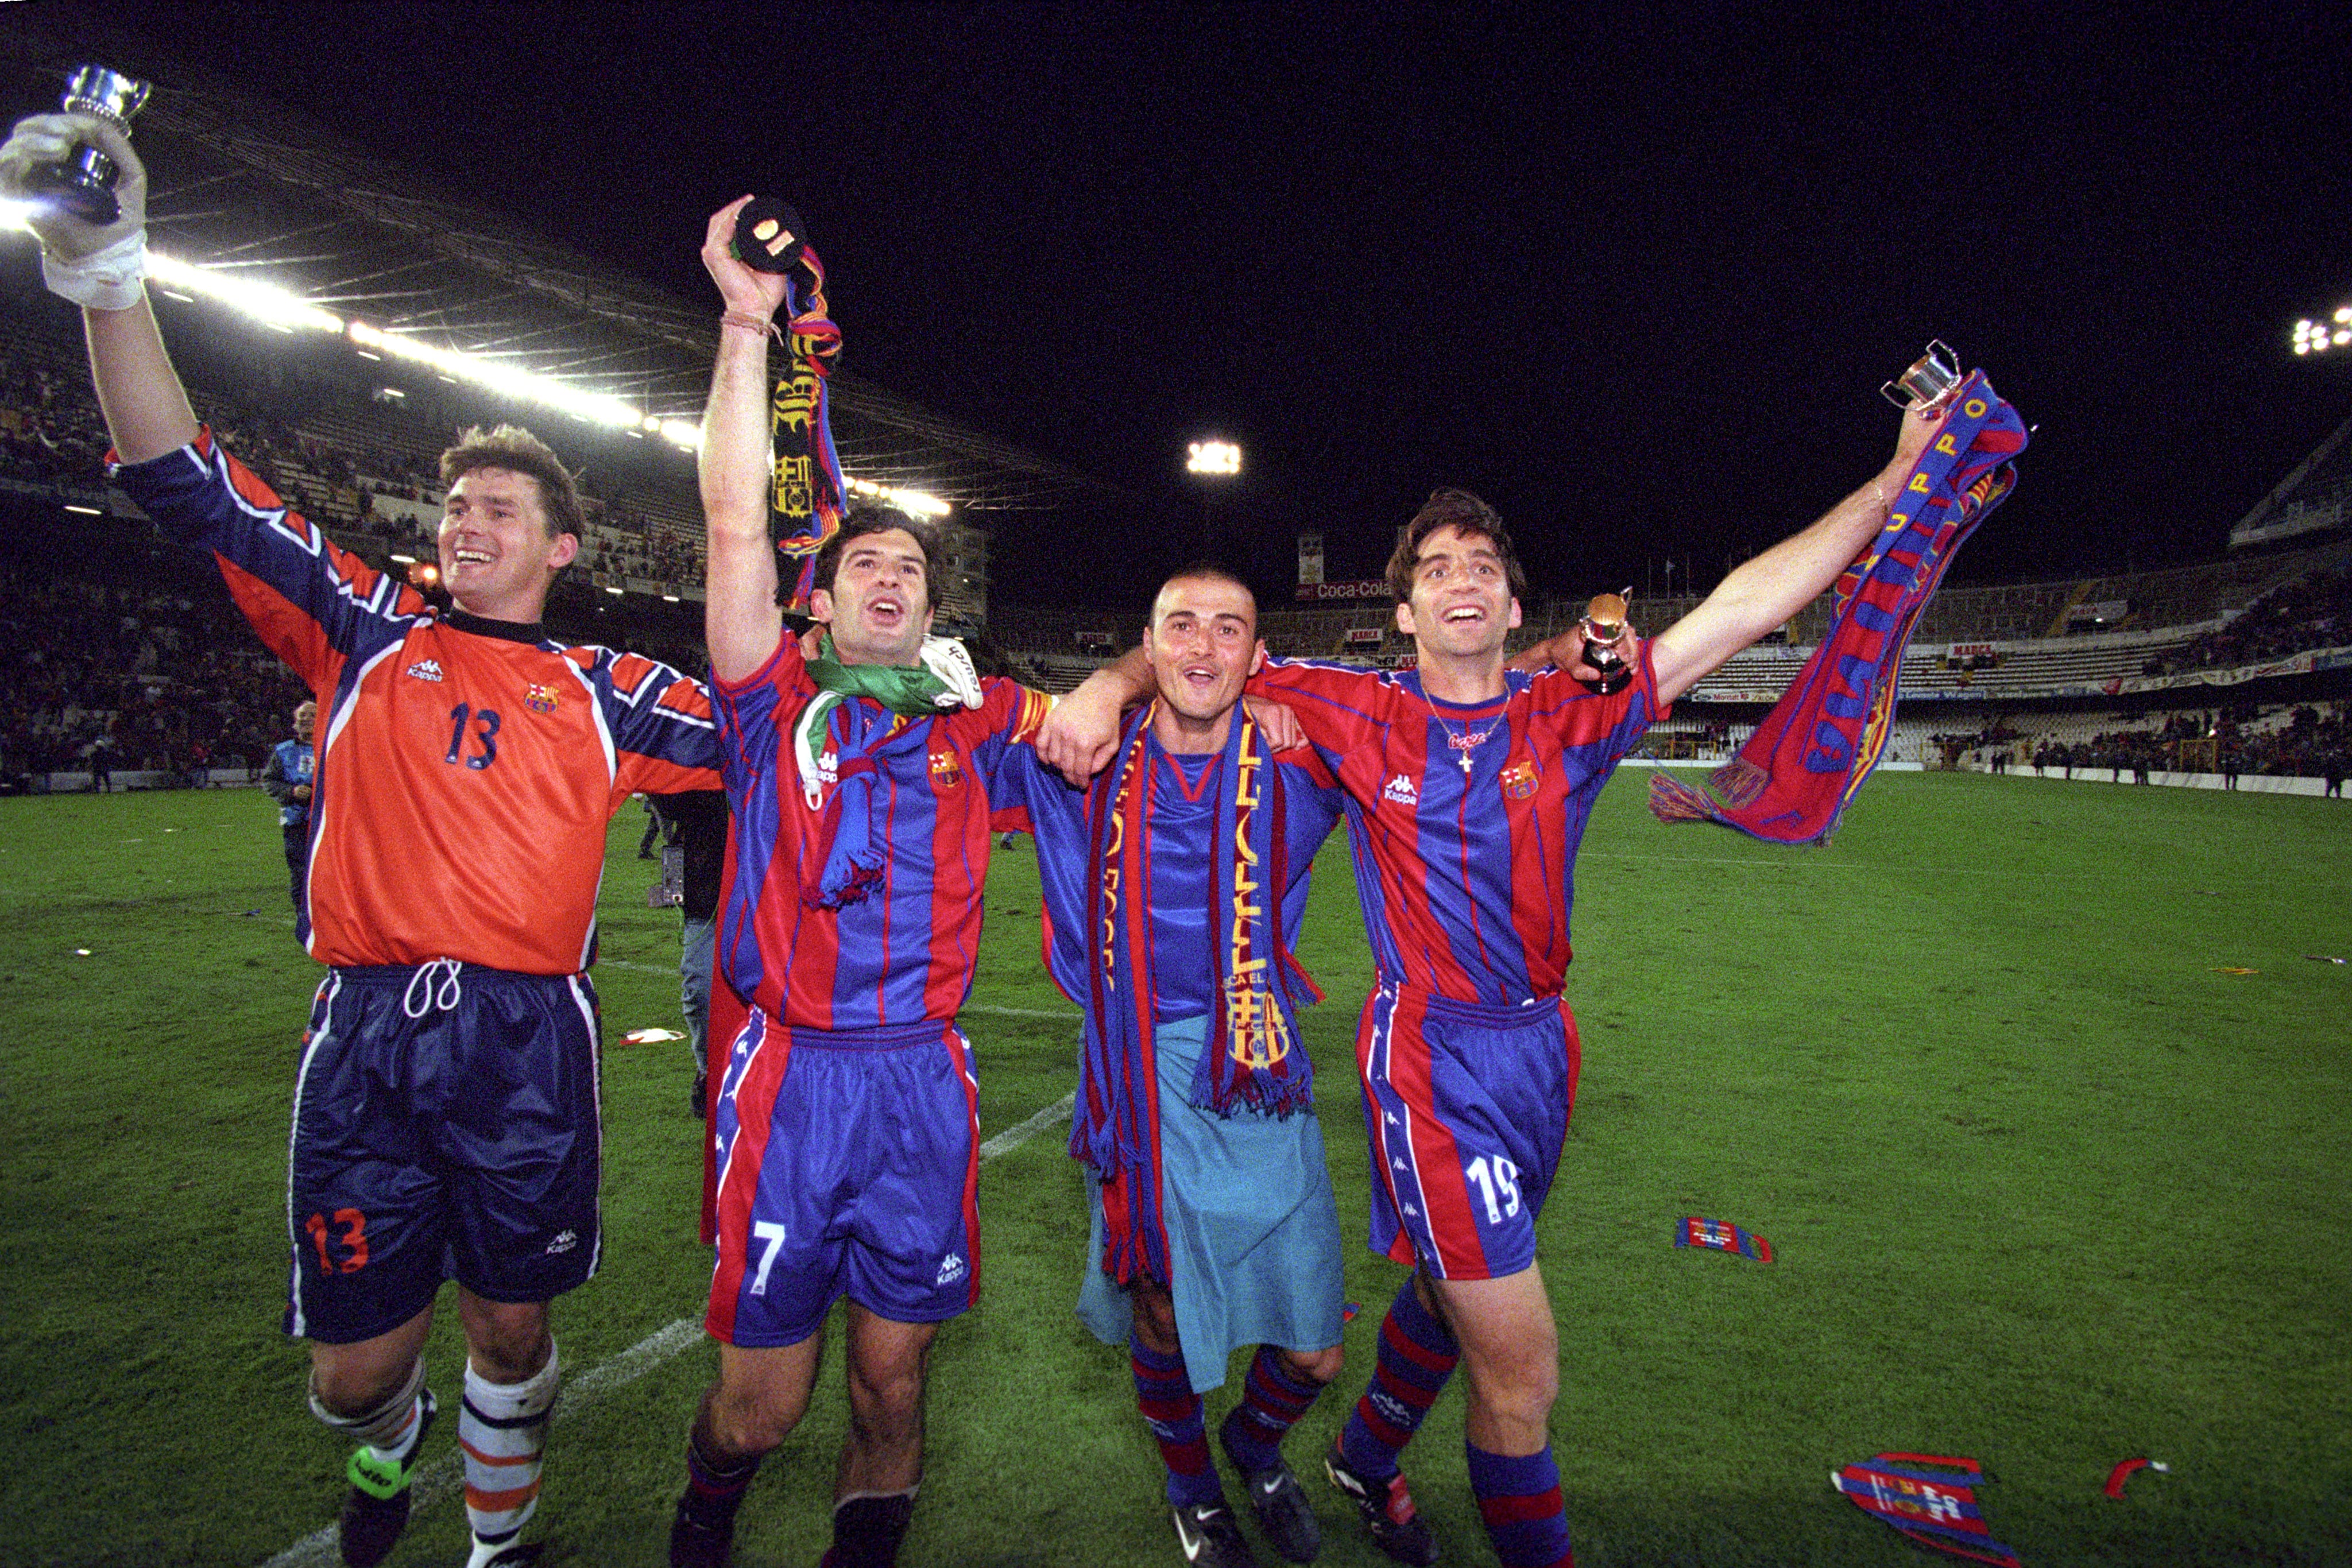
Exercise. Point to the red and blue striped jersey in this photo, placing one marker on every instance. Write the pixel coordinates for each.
(1179, 879)
(905, 951)
(465, 768)
(1466, 874)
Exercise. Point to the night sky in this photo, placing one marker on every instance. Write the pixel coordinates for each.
(1636, 275)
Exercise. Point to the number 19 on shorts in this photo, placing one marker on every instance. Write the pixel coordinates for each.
(1497, 1181)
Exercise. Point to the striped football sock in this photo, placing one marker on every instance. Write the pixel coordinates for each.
(1417, 1353)
(502, 1429)
(1172, 1411)
(1518, 1497)
(1273, 1399)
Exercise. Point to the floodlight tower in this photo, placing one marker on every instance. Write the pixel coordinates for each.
(2325, 337)
(1215, 464)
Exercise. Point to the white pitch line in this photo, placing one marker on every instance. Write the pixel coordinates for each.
(1069, 1013)
(1014, 1137)
(440, 1477)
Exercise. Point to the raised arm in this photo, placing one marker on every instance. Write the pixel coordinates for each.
(102, 268)
(1763, 592)
(740, 618)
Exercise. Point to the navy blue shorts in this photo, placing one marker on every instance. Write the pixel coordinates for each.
(849, 1166)
(1466, 1108)
(446, 1127)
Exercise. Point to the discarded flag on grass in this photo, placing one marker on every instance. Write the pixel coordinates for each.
(1934, 1507)
(1721, 1236)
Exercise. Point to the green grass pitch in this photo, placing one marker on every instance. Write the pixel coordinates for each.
(2049, 1186)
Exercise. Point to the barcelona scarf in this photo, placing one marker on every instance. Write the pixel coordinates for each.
(1934, 1506)
(804, 504)
(1253, 1055)
(1794, 777)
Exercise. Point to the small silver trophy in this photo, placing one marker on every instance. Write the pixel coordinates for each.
(1930, 383)
(84, 183)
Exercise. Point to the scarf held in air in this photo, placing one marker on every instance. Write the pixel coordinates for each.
(804, 503)
(1253, 1055)
(1793, 779)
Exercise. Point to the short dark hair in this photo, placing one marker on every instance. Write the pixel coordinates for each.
(510, 446)
(1464, 513)
(870, 519)
(1201, 571)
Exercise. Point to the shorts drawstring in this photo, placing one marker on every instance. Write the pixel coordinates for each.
(432, 998)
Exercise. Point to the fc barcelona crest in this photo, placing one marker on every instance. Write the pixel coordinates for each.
(1520, 779)
(946, 772)
(1257, 1037)
(538, 698)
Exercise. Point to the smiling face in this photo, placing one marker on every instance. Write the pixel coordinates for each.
(497, 557)
(1462, 603)
(306, 721)
(879, 606)
(1201, 646)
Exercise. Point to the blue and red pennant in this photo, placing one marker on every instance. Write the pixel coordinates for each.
(1794, 777)
(1928, 1496)
(1721, 1236)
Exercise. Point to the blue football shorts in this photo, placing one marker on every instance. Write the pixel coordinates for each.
(849, 1166)
(1467, 1109)
(446, 1127)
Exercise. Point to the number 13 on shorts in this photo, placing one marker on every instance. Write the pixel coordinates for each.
(772, 1234)
(1497, 1181)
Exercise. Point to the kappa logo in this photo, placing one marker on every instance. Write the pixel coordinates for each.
(828, 768)
(426, 670)
(1389, 1404)
(951, 1268)
(1401, 790)
(565, 1242)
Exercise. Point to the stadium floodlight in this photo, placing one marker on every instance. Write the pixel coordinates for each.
(682, 433)
(1218, 457)
(265, 302)
(2319, 337)
(492, 375)
(919, 503)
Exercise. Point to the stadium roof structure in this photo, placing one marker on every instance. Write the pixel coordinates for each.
(250, 185)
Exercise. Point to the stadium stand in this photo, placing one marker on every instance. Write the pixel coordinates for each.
(2203, 661)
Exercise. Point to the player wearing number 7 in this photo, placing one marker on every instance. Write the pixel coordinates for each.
(446, 1117)
(1468, 787)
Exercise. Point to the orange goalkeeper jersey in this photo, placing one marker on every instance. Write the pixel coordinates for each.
(467, 767)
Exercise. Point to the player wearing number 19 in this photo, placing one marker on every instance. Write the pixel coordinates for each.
(446, 1117)
(1468, 787)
